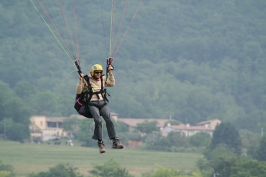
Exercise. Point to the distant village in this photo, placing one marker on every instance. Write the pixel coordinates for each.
(47, 128)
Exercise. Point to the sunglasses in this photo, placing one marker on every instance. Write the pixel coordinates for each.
(98, 72)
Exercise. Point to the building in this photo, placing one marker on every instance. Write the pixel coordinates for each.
(166, 127)
(210, 123)
(46, 128)
(132, 123)
(188, 130)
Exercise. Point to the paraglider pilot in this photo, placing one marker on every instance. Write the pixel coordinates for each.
(92, 101)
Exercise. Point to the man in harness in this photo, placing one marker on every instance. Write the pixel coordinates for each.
(92, 101)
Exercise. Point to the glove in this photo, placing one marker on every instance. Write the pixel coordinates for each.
(110, 67)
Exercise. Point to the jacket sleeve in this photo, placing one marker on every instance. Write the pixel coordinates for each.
(110, 80)
(80, 86)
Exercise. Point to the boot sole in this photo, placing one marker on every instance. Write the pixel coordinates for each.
(118, 148)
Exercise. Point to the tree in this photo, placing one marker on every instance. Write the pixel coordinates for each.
(201, 139)
(261, 151)
(18, 132)
(109, 169)
(222, 158)
(45, 103)
(5, 126)
(17, 110)
(177, 139)
(147, 127)
(205, 71)
(71, 125)
(225, 133)
(204, 165)
(120, 127)
(158, 142)
(6, 170)
(246, 167)
(60, 170)
(162, 171)
(167, 172)
(85, 132)
(24, 89)
(12, 106)
(173, 139)
(224, 162)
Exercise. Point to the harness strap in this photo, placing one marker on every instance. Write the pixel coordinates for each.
(89, 92)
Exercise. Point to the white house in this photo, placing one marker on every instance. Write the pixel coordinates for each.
(46, 128)
(188, 130)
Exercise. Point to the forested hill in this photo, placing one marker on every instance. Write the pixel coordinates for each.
(189, 59)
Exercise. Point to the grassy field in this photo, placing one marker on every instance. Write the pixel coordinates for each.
(27, 158)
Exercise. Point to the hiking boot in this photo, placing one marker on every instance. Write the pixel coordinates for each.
(117, 144)
(101, 147)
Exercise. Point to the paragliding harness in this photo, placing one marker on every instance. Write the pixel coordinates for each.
(83, 100)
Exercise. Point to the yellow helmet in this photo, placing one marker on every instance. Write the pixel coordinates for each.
(96, 67)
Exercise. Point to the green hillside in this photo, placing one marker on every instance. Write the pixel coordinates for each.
(188, 59)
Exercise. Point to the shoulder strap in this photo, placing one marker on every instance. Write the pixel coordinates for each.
(85, 93)
(87, 79)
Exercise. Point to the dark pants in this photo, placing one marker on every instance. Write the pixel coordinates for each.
(98, 109)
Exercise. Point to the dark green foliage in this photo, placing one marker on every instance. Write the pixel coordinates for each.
(60, 170)
(12, 105)
(122, 131)
(226, 133)
(147, 127)
(204, 165)
(201, 139)
(72, 126)
(157, 142)
(224, 162)
(14, 115)
(249, 138)
(172, 142)
(261, 151)
(120, 126)
(248, 168)
(18, 132)
(7, 168)
(222, 159)
(192, 60)
(162, 171)
(109, 169)
(85, 132)
(178, 139)
(83, 129)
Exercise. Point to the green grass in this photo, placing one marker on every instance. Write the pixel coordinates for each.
(27, 158)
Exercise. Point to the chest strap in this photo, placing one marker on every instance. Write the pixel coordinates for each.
(88, 92)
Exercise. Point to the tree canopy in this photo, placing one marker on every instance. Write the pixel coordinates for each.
(60, 170)
(191, 60)
(226, 133)
(261, 151)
